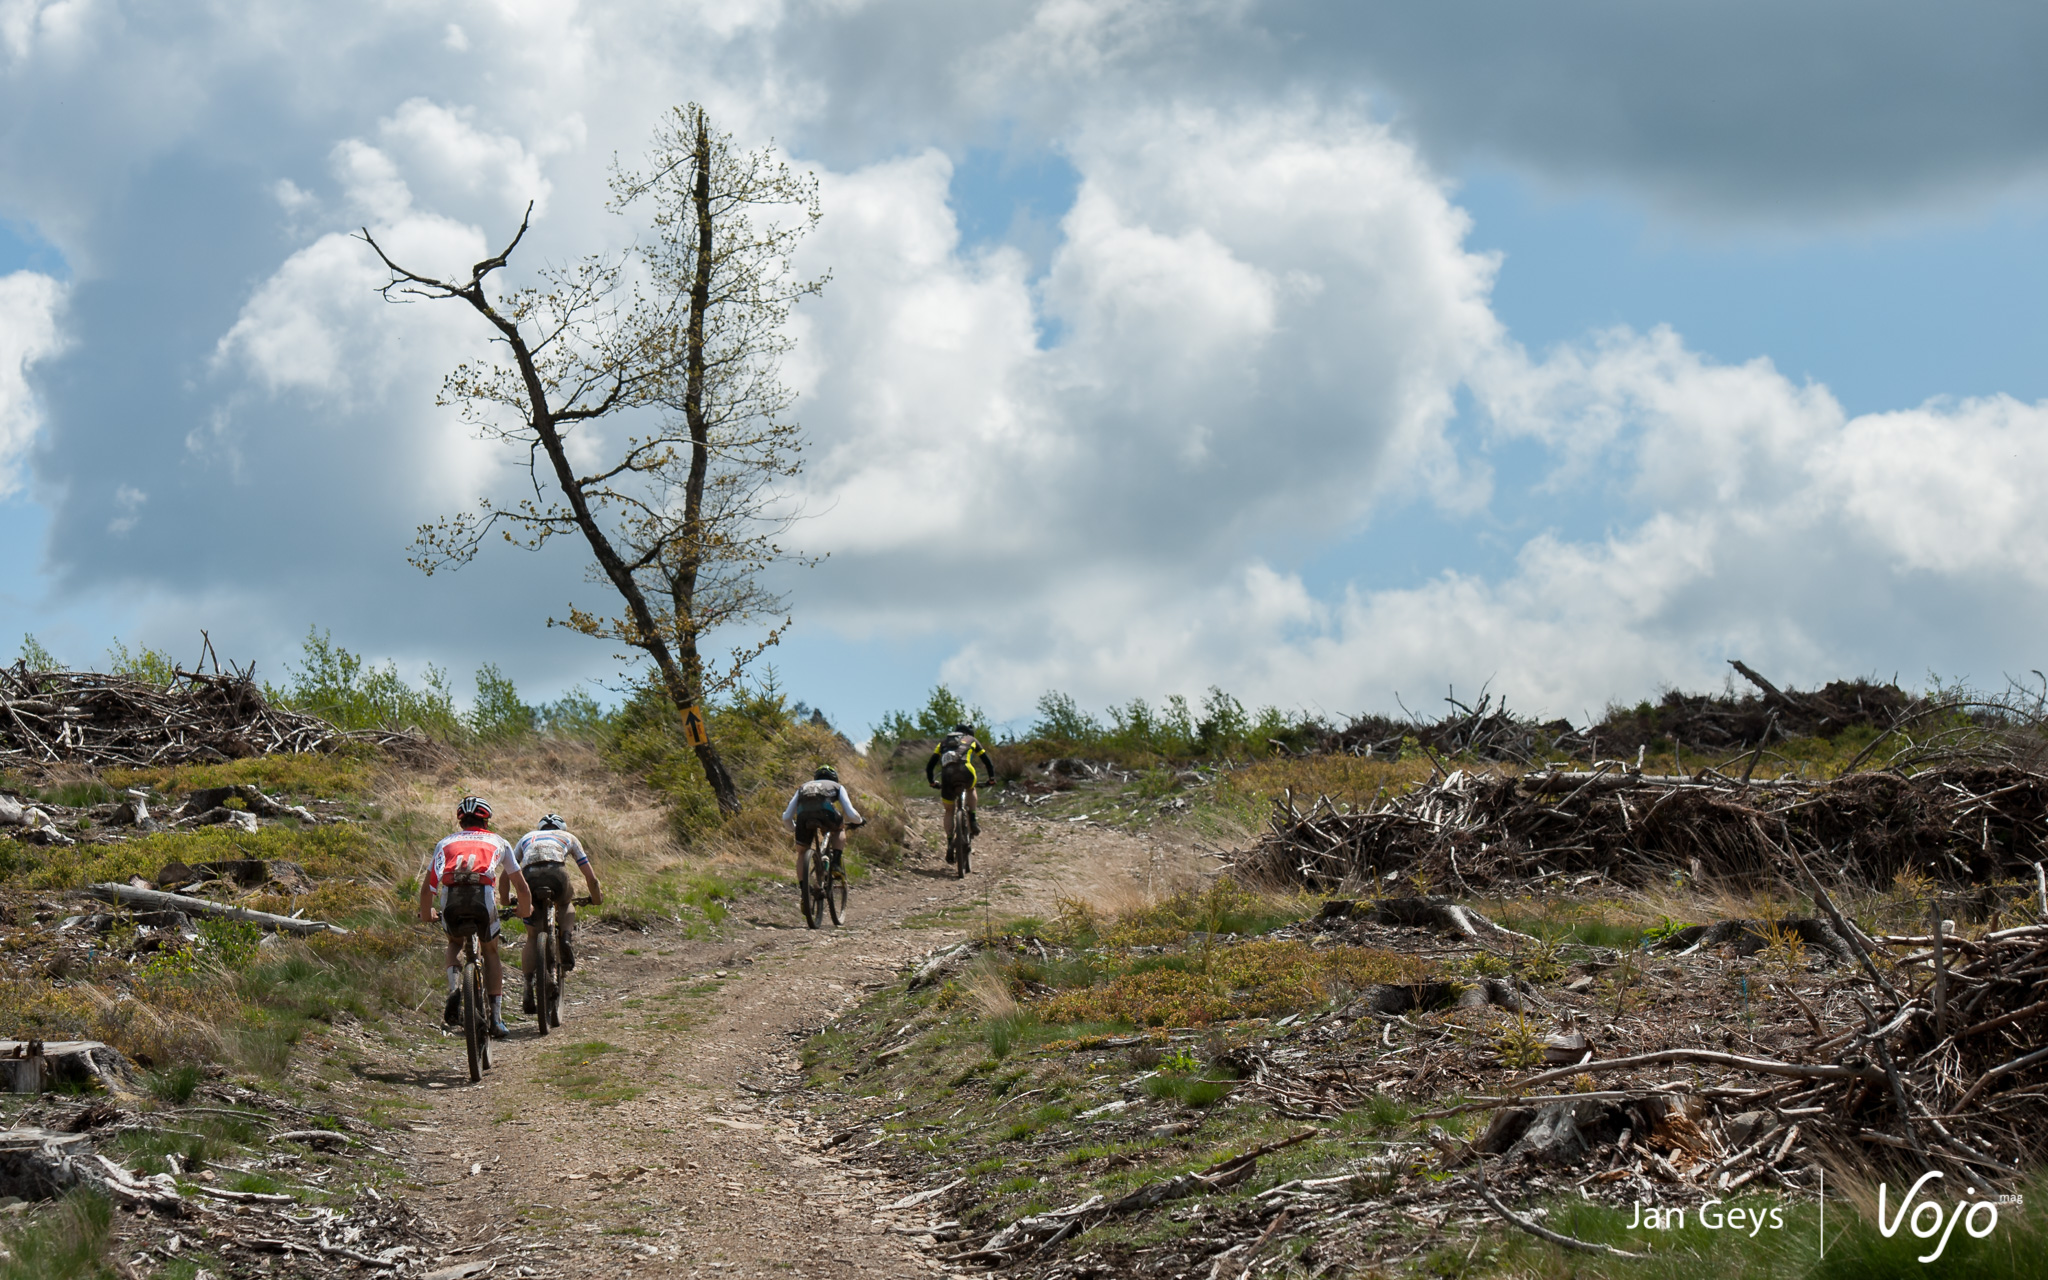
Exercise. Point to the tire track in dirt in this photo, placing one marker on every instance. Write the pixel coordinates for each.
(695, 1174)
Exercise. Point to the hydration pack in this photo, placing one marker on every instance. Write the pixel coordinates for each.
(954, 770)
(466, 901)
(818, 796)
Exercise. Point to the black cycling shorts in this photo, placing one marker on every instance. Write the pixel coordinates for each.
(549, 883)
(954, 782)
(809, 824)
(468, 910)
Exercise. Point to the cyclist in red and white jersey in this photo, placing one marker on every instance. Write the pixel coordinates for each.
(473, 854)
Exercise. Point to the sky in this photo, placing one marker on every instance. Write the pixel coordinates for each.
(1335, 355)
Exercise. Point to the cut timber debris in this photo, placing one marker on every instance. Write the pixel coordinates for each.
(1956, 825)
(84, 717)
(940, 963)
(155, 900)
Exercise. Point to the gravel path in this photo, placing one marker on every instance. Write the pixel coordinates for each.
(551, 1171)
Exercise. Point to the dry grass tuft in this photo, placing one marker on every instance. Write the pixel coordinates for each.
(623, 824)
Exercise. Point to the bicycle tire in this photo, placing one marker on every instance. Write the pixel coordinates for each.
(555, 944)
(483, 1019)
(835, 889)
(543, 976)
(470, 1025)
(962, 845)
(806, 871)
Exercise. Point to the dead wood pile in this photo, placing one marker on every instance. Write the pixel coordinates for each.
(1981, 825)
(85, 717)
(1723, 722)
(54, 1147)
(1893, 1060)
(1484, 731)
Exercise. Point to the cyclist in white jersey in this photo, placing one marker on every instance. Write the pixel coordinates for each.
(542, 856)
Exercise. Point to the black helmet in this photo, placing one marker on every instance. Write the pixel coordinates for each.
(552, 822)
(473, 811)
(963, 728)
(826, 773)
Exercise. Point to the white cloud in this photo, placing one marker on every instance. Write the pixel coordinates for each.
(29, 305)
(1769, 524)
(445, 148)
(128, 500)
(1260, 322)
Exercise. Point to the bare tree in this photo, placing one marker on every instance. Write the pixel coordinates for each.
(681, 339)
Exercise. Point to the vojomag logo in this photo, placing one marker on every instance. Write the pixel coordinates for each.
(1930, 1218)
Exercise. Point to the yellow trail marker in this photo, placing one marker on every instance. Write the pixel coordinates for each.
(693, 726)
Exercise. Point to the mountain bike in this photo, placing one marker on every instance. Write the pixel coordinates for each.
(553, 936)
(823, 882)
(960, 845)
(476, 1009)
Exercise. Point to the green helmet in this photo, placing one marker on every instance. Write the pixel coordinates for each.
(826, 773)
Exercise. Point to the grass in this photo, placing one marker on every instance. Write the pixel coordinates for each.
(1201, 1090)
(1247, 980)
(175, 1086)
(588, 1073)
(68, 1243)
(350, 774)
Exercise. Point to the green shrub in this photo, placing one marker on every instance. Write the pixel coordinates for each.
(338, 686)
(498, 715)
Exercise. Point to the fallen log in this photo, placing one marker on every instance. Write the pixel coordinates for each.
(156, 899)
(1545, 1233)
(1547, 782)
(1796, 1070)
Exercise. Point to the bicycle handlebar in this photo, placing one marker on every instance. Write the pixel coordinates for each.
(510, 912)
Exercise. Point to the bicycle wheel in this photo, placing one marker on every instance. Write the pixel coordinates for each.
(543, 976)
(806, 885)
(471, 1024)
(483, 1016)
(554, 1001)
(835, 887)
(961, 845)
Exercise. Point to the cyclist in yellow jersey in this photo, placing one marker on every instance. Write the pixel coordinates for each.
(951, 770)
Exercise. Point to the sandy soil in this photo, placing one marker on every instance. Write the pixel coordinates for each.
(708, 1170)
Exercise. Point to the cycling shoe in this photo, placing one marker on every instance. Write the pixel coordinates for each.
(451, 1013)
(499, 1031)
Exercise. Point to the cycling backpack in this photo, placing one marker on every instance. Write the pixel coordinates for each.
(466, 902)
(954, 770)
(818, 797)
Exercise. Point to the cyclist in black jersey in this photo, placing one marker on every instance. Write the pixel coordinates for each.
(951, 770)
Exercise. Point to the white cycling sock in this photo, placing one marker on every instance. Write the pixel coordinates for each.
(454, 979)
(497, 1005)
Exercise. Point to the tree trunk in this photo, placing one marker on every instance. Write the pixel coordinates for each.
(683, 581)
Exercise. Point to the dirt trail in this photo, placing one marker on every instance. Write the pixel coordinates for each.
(696, 1175)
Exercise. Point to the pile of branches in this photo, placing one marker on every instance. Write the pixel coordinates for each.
(1968, 824)
(1900, 1062)
(1486, 730)
(1726, 722)
(54, 1146)
(1723, 722)
(85, 717)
